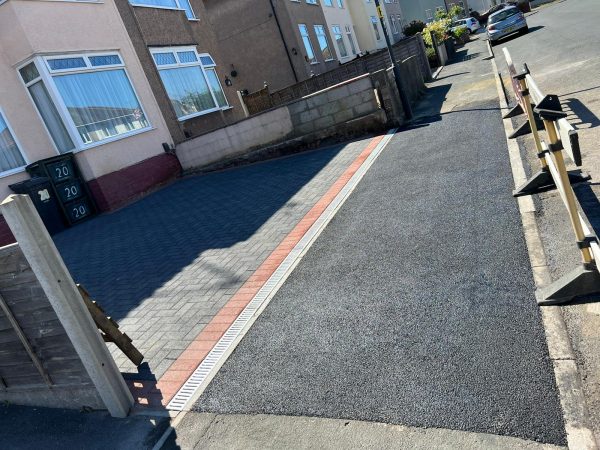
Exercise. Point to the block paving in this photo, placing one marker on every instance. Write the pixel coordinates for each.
(166, 266)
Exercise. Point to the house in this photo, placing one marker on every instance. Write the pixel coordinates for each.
(366, 24)
(339, 22)
(174, 41)
(394, 17)
(78, 86)
(424, 10)
(274, 42)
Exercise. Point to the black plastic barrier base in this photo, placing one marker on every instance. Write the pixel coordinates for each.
(542, 181)
(580, 282)
(514, 112)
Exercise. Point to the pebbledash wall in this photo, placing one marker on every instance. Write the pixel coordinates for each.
(117, 169)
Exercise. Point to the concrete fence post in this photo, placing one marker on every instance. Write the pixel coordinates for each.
(54, 277)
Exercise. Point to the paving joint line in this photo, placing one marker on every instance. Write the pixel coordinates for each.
(566, 373)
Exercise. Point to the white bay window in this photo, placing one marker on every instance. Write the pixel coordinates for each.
(84, 100)
(191, 81)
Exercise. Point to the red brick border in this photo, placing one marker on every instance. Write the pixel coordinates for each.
(156, 394)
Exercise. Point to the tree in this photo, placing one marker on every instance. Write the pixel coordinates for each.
(416, 26)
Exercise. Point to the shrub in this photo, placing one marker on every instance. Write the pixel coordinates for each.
(416, 26)
(455, 11)
(432, 57)
(460, 32)
(439, 28)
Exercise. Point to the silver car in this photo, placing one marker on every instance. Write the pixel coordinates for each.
(504, 22)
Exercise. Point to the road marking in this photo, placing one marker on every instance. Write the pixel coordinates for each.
(568, 381)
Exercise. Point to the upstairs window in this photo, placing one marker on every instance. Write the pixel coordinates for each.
(11, 158)
(191, 81)
(184, 5)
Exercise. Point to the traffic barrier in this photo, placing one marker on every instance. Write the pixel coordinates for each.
(528, 95)
(584, 280)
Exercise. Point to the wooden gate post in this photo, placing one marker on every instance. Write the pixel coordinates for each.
(54, 277)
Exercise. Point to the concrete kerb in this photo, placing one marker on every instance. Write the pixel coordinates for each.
(575, 414)
(437, 72)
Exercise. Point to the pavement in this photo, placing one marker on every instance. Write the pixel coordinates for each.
(410, 322)
(415, 306)
(562, 54)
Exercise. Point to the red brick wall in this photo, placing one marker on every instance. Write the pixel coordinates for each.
(6, 236)
(116, 189)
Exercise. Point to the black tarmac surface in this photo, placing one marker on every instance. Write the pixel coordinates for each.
(415, 306)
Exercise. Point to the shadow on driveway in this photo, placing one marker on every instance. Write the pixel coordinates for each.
(122, 258)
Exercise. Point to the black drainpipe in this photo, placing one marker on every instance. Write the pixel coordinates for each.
(287, 50)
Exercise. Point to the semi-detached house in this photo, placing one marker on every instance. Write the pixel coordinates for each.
(114, 82)
(277, 42)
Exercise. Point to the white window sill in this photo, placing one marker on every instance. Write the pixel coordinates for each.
(137, 5)
(113, 139)
(330, 59)
(10, 172)
(202, 113)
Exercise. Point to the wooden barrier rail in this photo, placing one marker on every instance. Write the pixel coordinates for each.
(584, 280)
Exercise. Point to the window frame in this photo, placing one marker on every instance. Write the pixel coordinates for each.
(341, 35)
(10, 129)
(203, 67)
(178, 8)
(323, 29)
(46, 76)
(314, 59)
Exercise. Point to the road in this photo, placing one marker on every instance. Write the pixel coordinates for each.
(562, 54)
(415, 306)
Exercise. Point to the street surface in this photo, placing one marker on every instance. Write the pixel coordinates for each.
(562, 54)
(415, 306)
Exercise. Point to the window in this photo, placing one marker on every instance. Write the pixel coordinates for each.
(11, 158)
(84, 99)
(394, 25)
(311, 2)
(323, 42)
(340, 3)
(310, 53)
(168, 4)
(327, 3)
(351, 39)
(339, 40)
(428, 14)
(401, 22)
(191, 81)
(375, 28)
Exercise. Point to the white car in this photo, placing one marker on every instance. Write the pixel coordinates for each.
(470, 23)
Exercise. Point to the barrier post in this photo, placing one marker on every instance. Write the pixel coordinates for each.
(585, 279)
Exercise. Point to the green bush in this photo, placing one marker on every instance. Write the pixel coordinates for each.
(432, 57)
(416, 26)
(460, 32)
(440, 30)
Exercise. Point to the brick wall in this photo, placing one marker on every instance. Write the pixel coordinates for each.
(118, 188)
(66, 382)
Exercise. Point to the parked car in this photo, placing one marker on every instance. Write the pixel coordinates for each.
(470, 23)
(506, 22)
